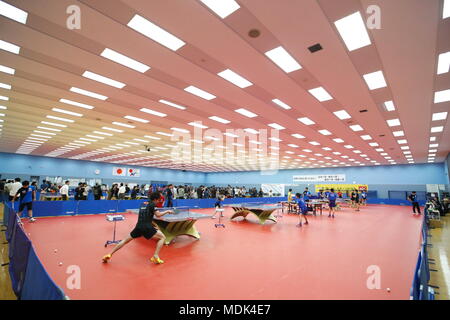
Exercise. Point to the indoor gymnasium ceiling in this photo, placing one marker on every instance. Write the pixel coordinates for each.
(45, 63)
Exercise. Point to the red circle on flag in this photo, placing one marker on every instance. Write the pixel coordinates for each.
(131, 170)
(119, 171)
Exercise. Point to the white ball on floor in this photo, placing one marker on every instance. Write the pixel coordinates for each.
(56, 250)
(388, 289)
(60, 263)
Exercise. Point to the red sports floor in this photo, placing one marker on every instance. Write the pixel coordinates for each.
(327, 259)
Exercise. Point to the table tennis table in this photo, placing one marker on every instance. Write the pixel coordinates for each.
(291, 206)
(262, 211)
(181, 222)
(317, 204)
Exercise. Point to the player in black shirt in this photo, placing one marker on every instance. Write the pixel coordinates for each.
(413, 198)
(145, 228)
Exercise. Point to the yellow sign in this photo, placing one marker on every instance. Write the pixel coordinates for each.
(342, 187)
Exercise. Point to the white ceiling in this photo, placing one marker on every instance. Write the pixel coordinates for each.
(53, 58)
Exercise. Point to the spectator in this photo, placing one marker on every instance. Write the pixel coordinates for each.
(64, 191)
(122, 191)
(97, 191)
(14, 188)
(134, 192)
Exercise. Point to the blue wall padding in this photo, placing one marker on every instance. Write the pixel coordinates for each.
(19, 250)
(38, 285)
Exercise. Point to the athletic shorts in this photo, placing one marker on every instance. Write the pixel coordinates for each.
(332, 203)
(147, 232)
(28, 205)
(303, 212)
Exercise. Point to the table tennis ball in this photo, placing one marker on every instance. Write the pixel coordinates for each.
(60, 264)
(56, 250)
(388, 289)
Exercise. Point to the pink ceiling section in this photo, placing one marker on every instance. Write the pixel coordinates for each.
(53, 58)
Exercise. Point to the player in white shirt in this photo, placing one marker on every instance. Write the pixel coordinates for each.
(64, 191)
(14, 188)
(122, 191)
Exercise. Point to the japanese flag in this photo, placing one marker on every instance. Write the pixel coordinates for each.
(119, 171)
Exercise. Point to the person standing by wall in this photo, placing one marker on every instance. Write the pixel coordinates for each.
(122, 191)
(27, 195)
(14, 188)
(169, 196)
(64, 191)
(415, 203)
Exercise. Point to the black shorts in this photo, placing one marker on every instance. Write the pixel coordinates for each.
(146, 232)
(28, 205)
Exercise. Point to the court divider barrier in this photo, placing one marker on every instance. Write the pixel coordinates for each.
(29, 280)
(420, 289)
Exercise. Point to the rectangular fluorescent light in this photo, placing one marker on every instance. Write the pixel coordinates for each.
(374, 144)
(393, 122)
(338, 140)
(180, 130)
(434, 145)
(442, 96)
(439, 116)
(228, 134)
(446, 9)
(389, 105)
(353, 31)
(77, 104)
(198, 125)
(276, 126)
(298, 136)
(54, 124)
(13, 13)
(165, 134)
(348, 146)
(234, 78)
(7, 70)
(325, 132)
(275, 139)
(40, 136)
(398, 133)
(112, 129)
(432, 139)
(67, 112)
(103, 133)
(172, 104)
(253, 131)
(443, 63)
(222, 8)
(156, 113)
(141, 140)
(403, 141)
(60, 119)
(283, 59)
(5, 86)
(218, 119)
(342, 114)
(95, 137)
(156, 33)
(102, 79)
(293, 146)
(320, 94)
(366, 137)
(88, 93)
(437, 129)
(199, 92)
(375, 80)
(281, 104)
(246, 113)
(136, 119)
(356, 127)
(123, 124)
(46, 128)
(153, 138)
(124, 60)
(4, 98)
(306, 121)
(87, 139)
(43, 132)
(314, 143)
(7, 46)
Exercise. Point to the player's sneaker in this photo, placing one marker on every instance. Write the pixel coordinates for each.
(32, 219)
(306, 222)
(106, 258)
(156, 260)
(299, 225)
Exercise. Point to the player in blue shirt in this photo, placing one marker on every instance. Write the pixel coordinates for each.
(218, 205)
(320, 194)
(332, 203)
(302, 209)
(363, 198)
(306, 194)
(27, 195)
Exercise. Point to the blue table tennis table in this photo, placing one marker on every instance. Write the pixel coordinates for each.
(262, 211)
(181, 222)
